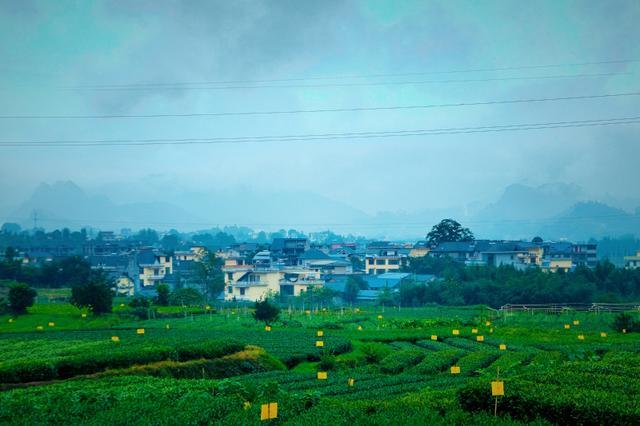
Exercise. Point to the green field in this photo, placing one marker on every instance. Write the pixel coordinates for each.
(203, 367)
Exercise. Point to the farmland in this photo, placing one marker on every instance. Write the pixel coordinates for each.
(61, 365)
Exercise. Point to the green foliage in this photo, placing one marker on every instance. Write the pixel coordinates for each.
(162, 298)
(21, 296)
(139, 302)
(401, 360)
(186, 297)
(625, 321)
(95, 295)
(266, 312)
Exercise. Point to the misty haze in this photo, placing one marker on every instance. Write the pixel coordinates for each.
(314, 212)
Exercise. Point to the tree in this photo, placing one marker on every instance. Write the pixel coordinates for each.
(208, 273)
(96, 294)
(265, 311)
(186, 297)
(352, 288)
(21, 296)
(162, 298)
(448, 230)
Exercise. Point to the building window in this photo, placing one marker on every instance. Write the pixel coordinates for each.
(394, 262)
(230, 290)
(242, 291)
(380, 262)
(370, 261)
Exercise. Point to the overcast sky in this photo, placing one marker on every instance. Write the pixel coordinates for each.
(57, 56)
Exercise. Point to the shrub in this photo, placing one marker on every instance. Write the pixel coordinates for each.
(162, 298)
(21, 296)
(398, 361)
(265, 312)
(624, 321)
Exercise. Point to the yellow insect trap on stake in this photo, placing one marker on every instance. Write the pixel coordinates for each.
(246, 405)
(351, 382)
(52, 324)
(497, 388)
(322, 375)
(455, 369)
(320, 333)
(576, 322)
(474, 331)
(319, 343)
(10, 320)
(434, 337)
(480, 338)
(167, 326)
(115, 338)
(379, 317)
(84, 315)
(603, 334)
(567, 326)
(488, 323)
(359, 328)
(269, 411)
(39, 328)
(503, 347)
(581, 337)
(455, 332)
(267, 328)
(140, 331)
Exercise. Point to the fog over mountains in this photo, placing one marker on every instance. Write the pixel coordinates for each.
(553, 211)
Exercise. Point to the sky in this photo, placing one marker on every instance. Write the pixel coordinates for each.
(160, 57)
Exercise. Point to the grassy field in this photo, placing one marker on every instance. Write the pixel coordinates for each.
(383, 367)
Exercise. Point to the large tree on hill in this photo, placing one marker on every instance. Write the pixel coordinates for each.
(448, 230)
(265, 311)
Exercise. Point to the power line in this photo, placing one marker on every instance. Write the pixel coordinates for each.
(346, 224)
(361, 76)
(328, 136)
(327, 110)
(357, 84)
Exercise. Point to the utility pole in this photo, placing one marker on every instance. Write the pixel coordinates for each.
(35, 220)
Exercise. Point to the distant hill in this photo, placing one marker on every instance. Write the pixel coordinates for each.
(65, 204)
(591, 220)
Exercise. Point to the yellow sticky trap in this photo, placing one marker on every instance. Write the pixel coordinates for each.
(10, 319)
(308, 312)
(233, 312)
(246, 405)
(167, 326)
(455, 369)
(576, 322)
(324, 309)
(273, 410)
(320, 333)
(581, 337)
(603, 334)
(488, 323)
(434, 337)
(474, 331)
(40, 328)
(115, 338)
(359, 328)
(84, 315)
(480, 338)
(140, 331)
(491, 330)
(455, 332)
(268, 411)
(503, 347)
(122, 305)
(624, 331)
(322, 375)
(351, 382)
(497, 388)
(267, 328)
(319, 343)
(567, 326)
(379, 316)
(357, 310)
(52, 324)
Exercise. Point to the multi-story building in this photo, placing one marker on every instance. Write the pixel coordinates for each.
(153, 267)
(632, 262)
(251, 283)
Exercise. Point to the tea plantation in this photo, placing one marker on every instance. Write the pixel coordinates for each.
(58, 366)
